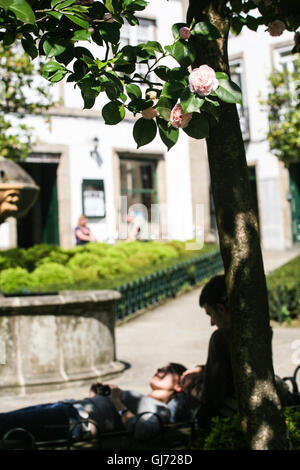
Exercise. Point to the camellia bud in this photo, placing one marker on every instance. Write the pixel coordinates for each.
(184, 32)
(152, 95)
(108, 17)
(149, 113)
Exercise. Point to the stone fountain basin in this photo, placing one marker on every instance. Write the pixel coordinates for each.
(53, 341)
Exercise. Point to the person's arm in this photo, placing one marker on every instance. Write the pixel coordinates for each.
(88, 237)
(217, 376)
(144, 424)
(119, 406)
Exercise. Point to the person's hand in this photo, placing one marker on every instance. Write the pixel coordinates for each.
(188, 376)
(196, 370)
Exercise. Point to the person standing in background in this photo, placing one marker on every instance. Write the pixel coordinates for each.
(82, 233)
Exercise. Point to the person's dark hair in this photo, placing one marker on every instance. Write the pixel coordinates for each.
(177, 368)
(100, 389)
(214, 292)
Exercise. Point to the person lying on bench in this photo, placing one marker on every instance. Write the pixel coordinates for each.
(109, 408)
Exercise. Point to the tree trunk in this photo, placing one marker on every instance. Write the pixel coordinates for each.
(259, 406)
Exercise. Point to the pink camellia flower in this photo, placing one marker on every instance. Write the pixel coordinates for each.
(178, 119)
(276, 28)
(184, 32)
(203, 80)
(149, 113)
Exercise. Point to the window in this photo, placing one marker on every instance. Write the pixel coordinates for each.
(138, 181)
(284, 60)
(237, 76)
(139, 34)
(93, 198)
(136, 35)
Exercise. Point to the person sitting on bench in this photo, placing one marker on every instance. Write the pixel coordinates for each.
(108, 408)
(210, 387)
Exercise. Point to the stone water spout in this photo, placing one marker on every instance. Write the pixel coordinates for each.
(18, 191)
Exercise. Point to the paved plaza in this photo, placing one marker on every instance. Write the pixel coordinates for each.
(176, 331)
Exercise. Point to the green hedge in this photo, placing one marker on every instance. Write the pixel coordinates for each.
(284, 291)
(93, 266)
(226, 433)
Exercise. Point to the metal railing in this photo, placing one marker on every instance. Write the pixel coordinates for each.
(165, 283)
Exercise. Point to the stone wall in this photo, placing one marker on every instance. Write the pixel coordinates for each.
(53, 341)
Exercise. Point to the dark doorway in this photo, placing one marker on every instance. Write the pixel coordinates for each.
(294, 171)
(40, 225)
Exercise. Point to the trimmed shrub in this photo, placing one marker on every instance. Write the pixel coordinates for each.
(35, 253)
(284, 291)
(12, 258)
(95, 264)
(83, 261)
(15, 280)
(226, 433)
(52, 274)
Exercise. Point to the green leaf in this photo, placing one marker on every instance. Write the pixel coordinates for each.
(237, 23)
(55, 2)
(162, 72)
(133, 91)
(56, 14)
(190, 102)
(168, 134)
(222, 75)
(172, 90)
(178, 74)
(78, 20)
(138, 104)
(57, 76)
(113, 112)
(112, 5)
(212, 107)
(144, 131)
(183, 52)
(9, 37)
(52, 49)
(22, 10)
(134, 5)
(206, 30)
(198, 127)
(5, 4)
(30, 47)
(252, 22)
(229, 92)
(110, 32)
(61, 5)
(52, 67)
(164, 107)
(81, 35)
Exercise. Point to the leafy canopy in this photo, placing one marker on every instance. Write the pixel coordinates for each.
(284, 114)
(18, 77)
(61, 30)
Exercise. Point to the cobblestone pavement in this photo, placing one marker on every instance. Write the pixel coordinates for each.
(176, 331)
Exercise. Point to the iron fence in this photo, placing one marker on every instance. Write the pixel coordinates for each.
(165, 283)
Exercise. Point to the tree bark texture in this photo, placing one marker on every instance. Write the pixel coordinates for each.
(259, 406)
